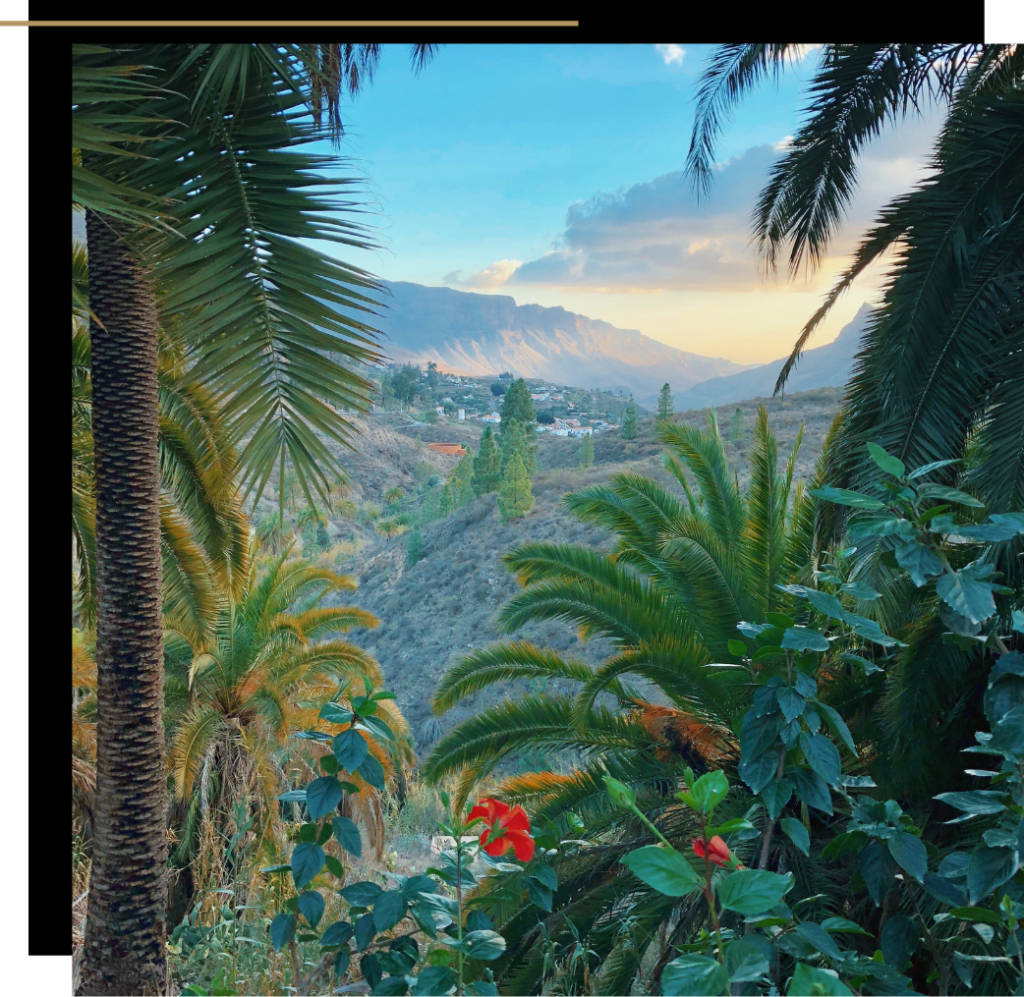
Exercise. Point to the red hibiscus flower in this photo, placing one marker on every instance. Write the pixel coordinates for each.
(507, 827)
(717, 850)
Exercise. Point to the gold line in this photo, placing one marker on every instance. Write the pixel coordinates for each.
(289, 24)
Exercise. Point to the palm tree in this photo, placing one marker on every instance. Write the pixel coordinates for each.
(940, 371)
(203, 235)
(203, 530)
(685, 568)
(274, 662)
(394, 496)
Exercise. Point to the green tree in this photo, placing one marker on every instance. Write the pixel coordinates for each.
(629, 429)
(515, 496)
(486, 465)
(414, 551)
(737, 428)
(323, 538)
(432, 376)
(394, 496)
(458, 489)
(227, 125)
(685, 568)
(403, 384)
(310, 543)
(518, 426)
(273, 532)
(587, 453)
(665, 403)
(938, 374)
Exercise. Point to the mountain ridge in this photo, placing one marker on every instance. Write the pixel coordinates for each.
(480, 334)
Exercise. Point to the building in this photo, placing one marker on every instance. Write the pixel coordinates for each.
(493, 417)
(462, 414)
(449, 449)
(439, 409)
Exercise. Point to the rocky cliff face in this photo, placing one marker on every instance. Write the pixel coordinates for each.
(484, 334)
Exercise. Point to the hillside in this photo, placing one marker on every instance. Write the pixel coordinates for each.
(823, 367)
(447, 604)
(481, 334)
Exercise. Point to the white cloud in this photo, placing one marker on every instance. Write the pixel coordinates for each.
(493, 276)
(671, 53)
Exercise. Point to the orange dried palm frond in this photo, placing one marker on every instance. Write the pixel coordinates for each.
(683, 733)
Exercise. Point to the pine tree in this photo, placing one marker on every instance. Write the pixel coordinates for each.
(515, 497)
(737, 430)
(517, 411)
(458, 490)
(665, 403)
(486, 465)
(587, 453)
(322, 537)
(629, 423)
(414, 551)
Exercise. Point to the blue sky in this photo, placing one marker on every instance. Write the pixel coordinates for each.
(551, 173)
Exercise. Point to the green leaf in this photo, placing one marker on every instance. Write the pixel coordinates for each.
(779, 620)
(978, 801)
(322, 796)
(311, 907)
(776, 794)
(434, 980)
(870, 630)
(484, 945)
(738, 648)
(736, 824)
(709, 790)
(745, 962)
(376, 727)
(790, 702)
(364, 931)
(335, 867)
(281, 930)
(815, 935)
(1008, 733)
(838, 726)
(341, 961)
(540, 895)
(920, 561)
(797, 833)
(307, 861)
(807, 980)
(843, 924)
(753, 891)
(390, 986)
(546, 875)
(350, 749)
(758, 772)
(619, 793)
(811, 788)
(362, 894)
(694, 976)
(968, 593)
(919, 472)
(899, 939)
(664, 869)
(943, 890)
(980, 914)
(946, 494)
(822, 755)
(989, 868)
(869, 666)
(804, 639)
(372, 771)
(388, 910)
(347, 834)
(1017, 621)
(861, 591)
(842, 496)
(888, 463)
(335, 714)
(910, 853)
(826, 604)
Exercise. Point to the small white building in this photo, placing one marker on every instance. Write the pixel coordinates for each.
(493, 417)
(439, 409)
(462, 414)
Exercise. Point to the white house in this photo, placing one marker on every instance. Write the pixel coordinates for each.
(493, 417)
(439, 409)
(462, 414)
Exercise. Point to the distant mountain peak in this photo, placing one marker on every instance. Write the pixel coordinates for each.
(481, 334)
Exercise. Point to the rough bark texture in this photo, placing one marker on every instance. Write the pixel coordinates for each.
(126, 928)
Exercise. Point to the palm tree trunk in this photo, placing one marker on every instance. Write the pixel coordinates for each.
(126, 928)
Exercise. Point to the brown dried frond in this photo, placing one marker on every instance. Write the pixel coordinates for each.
(684, 734)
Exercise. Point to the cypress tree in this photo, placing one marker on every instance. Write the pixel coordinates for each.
(629, 423)
(515, 497)
(486, 465)
(322, 538)
(517, 411)
(587, 453)
(665, 403)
